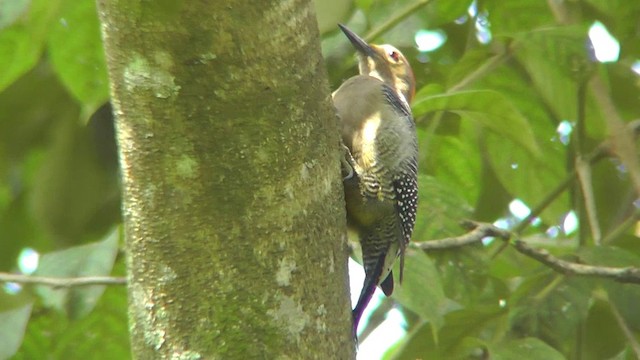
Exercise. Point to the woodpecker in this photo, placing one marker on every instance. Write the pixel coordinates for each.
(381, 150)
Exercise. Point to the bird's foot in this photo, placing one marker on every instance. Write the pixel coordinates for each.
(347, 163)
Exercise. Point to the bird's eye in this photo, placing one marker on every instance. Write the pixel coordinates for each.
(394, 55)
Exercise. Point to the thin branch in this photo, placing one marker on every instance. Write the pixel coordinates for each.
(536, 211)
(583, 170)
(482, 70)
(479, 230)
(622, 141)
(623, 275)
(628, 333)
(581, 191)
(600, 152)
(396, 19)
(58, 282)
(623, 227)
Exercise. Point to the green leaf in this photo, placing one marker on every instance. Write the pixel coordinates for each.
(469, 65)
(620, 17)
(461, 335)
(442, 12)
(475, 322)
(454, 159)
(523, 175)
(77, 55)
(95, 259)
(102, 334)
(608, 256)
(526, 178)
(624, 297)
(73, 179)
(603, 337)
(429, 90)
(19, 230)
(490, 109)
(12, 325)
(508, 17)
(421, 291)
(22, 42)
(527, 348)
(550, 306)
(464, 273)
(440, 209)
(464, 270)
(331, 12)
(555, 58)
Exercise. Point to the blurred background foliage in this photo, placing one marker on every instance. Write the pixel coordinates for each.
(511, 96)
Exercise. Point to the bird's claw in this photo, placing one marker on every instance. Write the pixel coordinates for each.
(347, 163)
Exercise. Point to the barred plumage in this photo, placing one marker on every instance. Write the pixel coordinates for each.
(379, 132)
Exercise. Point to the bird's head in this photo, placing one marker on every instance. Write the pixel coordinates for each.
(384, 62)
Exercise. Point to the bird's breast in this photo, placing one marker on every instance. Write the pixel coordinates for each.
(366, 143)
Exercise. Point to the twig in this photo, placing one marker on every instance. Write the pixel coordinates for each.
(600, 152)
(478, 231)
(623, 275)
(482, 70)
(583, 170)
(628, 333)
(622, 141)
(396, 18)
(623, 144)
(623, 227)
(58, 282)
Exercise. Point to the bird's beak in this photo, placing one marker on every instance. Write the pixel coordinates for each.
(357, 42)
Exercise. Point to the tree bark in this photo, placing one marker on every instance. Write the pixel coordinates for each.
(233, 203)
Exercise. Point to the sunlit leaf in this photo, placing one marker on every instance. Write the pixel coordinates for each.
(77, 54)
(21, 44)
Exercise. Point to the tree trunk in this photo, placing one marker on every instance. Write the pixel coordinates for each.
(230, 168)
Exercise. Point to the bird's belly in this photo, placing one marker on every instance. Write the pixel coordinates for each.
(363, 211)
